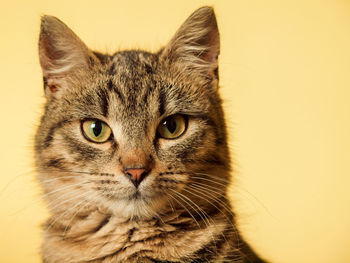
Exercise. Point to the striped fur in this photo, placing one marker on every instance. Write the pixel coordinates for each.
(180, 211)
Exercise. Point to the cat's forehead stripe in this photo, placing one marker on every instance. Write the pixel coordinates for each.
(162, 102)
(112, 87)
(130, 76)
(104, 102)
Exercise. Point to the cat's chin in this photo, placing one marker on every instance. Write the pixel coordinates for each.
(136, 206)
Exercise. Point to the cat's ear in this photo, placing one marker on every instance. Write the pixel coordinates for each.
(61, 54)
(196, 44)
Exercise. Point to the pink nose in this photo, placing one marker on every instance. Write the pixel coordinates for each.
(136, 175)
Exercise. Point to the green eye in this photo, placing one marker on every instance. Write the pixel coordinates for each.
(172, 127)
(96, 131)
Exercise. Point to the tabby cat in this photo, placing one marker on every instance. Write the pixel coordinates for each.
(132, 151)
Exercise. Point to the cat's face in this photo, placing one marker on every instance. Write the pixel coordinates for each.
(129, 132)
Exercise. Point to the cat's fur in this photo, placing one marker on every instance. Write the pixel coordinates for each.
(180, 211)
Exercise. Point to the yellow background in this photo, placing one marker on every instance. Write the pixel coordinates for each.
(285, 80)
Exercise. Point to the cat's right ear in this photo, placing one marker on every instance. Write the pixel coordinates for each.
(61, 54)
(196, 45)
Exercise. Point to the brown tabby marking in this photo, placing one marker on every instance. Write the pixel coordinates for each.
(179, 212)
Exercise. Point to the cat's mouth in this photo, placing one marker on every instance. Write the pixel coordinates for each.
(136, 195)
(137, 205)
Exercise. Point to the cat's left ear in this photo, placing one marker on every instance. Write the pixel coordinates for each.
(62, 54)
(196, 45)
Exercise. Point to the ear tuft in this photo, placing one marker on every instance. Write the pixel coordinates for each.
(196, 44)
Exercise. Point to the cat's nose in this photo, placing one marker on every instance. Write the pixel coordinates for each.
(136, 175)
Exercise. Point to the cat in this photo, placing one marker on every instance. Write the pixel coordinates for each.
(132, 153)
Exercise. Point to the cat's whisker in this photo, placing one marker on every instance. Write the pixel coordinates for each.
(206, 216)
(81, 172)
(87, 202)
(65, 188)
(12, 180)
(229, 226)
(58, 178)
(205, 191)
(171, 204)
(67, 200)
(39, 200)
(73, 216)
(239, 188)
(200, 212)
(210, 180)
(158, 216)
(153, 212)
(198, 207)
(59, 217)
(212, 188)
(224, 180)
(214, 196)
(62, 196)
(177, 201)
(203, 195)
(244, 190)
(213, 222)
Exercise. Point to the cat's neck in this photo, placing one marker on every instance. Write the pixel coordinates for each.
(98, 235)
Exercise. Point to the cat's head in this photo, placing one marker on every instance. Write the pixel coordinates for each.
(134, 131)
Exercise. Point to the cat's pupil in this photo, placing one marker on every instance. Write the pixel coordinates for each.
(171, 125)
(96, 128)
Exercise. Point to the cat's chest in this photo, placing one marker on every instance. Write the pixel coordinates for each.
(101, 238)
